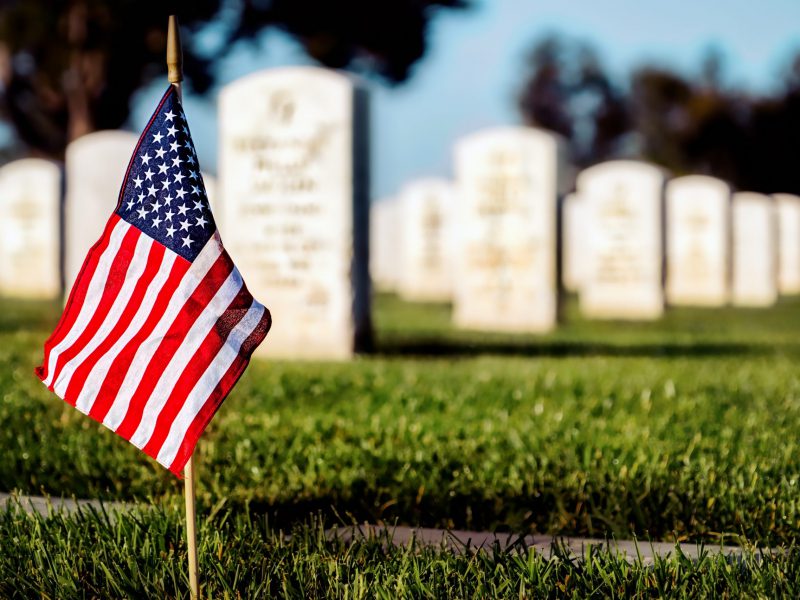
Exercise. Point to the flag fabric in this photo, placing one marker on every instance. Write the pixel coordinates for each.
(159, 325)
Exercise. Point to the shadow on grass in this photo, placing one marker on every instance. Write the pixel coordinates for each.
(454, 349)
(551, 512)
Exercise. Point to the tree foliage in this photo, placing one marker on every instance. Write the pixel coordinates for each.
(689, 123)
(68, 67)
(567, 91)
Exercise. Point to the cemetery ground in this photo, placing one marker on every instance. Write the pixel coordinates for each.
(684, 429)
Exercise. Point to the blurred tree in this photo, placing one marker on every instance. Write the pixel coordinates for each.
(567, 92)
(660, 104)
(609, 117)
(688, 124)
(771, 153)
(69, 67)
(545, 98)
(714, 141)
(691, 125)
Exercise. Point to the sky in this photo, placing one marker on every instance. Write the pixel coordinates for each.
(474, 67)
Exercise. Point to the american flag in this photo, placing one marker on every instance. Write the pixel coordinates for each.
(159, 325)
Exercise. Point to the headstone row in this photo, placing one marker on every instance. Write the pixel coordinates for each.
(719, 247)
(295, 206)
(755, 247)
(698, 241)
(508, 183)
(632, 241)
(623, 241)
(30, 204)
(788, 216)
(293, 209)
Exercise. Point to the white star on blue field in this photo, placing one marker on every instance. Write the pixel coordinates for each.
(163, 194)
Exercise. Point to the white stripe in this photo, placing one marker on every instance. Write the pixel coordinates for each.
(196, 273)
(93, 295)
(177, 364)
(206, 384)
(132, 276)
(97, 375)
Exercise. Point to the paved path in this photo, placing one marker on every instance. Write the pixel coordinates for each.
(43, 505)
(470, 541)
(456, 541)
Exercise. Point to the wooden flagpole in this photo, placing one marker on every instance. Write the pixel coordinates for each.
(175, 75)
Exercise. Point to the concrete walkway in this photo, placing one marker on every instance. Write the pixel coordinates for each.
(472, 541)
(455, 541)
(43, 505)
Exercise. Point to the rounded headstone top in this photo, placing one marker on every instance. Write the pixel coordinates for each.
(425, 184)
(621, 169)
(24, 166)
(698, 182)
(507, 135)
(784, 197)
(288, 76)
(292, 114)
(100, 141)
(751, 198)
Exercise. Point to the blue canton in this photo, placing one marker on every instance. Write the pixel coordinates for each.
(163, 194)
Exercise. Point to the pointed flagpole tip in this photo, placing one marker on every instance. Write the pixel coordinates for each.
(174, 52)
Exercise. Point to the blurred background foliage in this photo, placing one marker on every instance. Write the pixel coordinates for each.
(688, 123)
(69, 67)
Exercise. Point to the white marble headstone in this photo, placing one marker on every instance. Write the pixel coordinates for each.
(210, 183)
(384, 244)
(788, 207)
(30, 206)
(95, 166)
(293, 187)
(508, 180)
(698, 240)
(755, 250)
(624, 243)
(426, 227)
(573, 244)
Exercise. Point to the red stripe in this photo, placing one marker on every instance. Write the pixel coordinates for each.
(219, 393)
(120, 365)
(77, 295)
(172, 340)
(197, 365)
(154, 258)
(114, 282)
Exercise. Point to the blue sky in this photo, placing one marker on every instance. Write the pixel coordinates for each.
(472, 71)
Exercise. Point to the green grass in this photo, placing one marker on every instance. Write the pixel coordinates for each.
(141, 555)
(682, 429)
(408, 328)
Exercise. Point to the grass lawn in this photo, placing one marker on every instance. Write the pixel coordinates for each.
(683, 429)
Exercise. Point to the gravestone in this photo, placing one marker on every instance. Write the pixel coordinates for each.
(788, 207)
(210, 183)
(384, 244)
(425, 224)
(573, 246)
(624, 241)
(95, 166)
(698, 240)
(293, 186)
(30, 236)
(508, 180)
(755, 250)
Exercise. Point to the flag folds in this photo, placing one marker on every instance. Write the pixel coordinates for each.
(159, 324)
